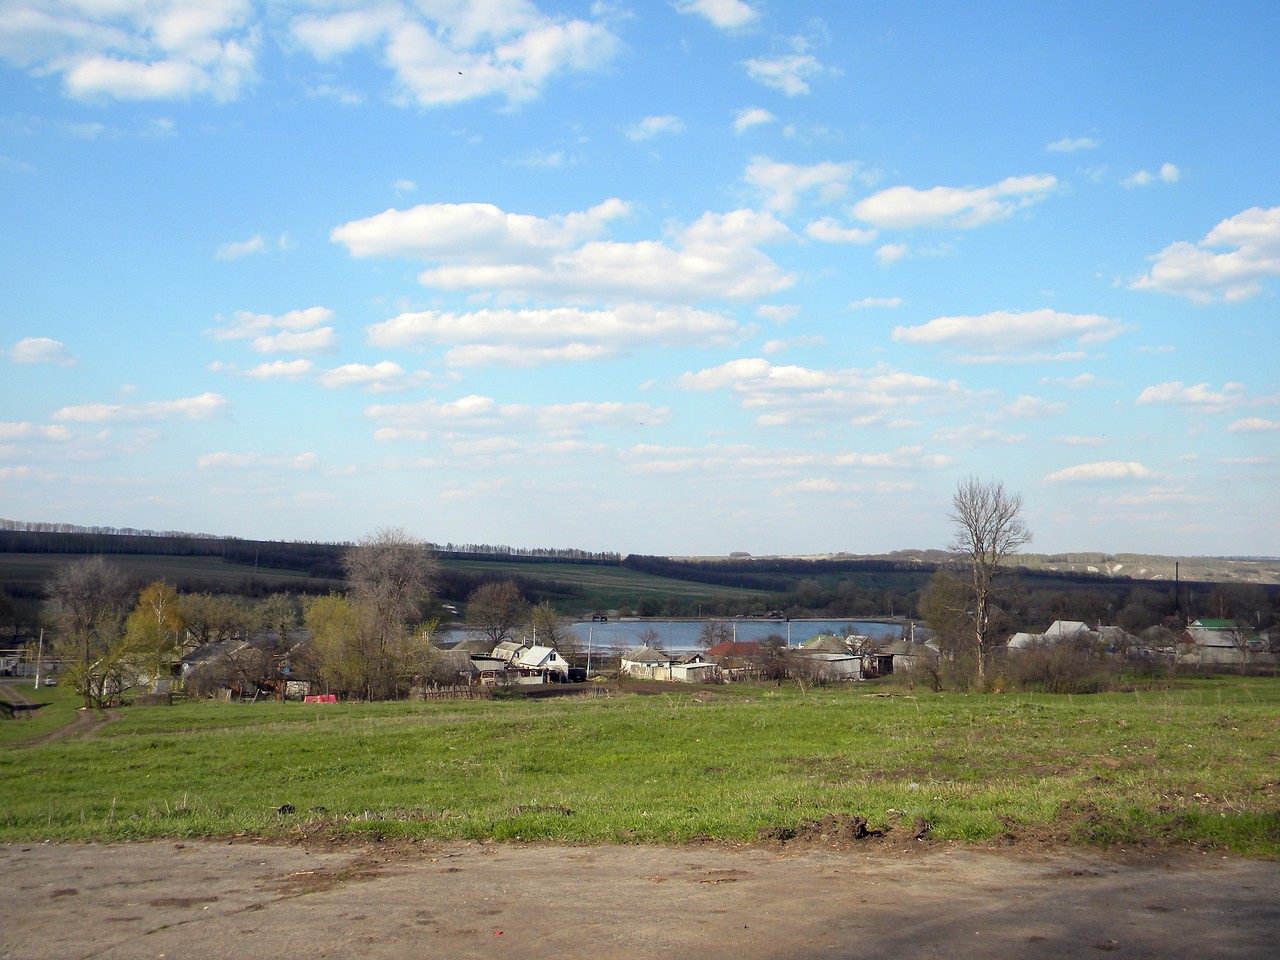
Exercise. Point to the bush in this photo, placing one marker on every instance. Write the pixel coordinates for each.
(1062, 668)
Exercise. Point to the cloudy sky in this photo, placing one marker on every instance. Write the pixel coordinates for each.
(661, 276)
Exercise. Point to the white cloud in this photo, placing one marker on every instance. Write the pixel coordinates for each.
(781, 184)
(450, 52)
(242, 248)
(135, 49)
(1006, 332)
(1254, 425)
(1032, 408)
(531, 337)
(1203, 397)
(789, 73)
(41, 350)
(1077, 382)
(789, 395)
(241, 461)
(281, 370)
(964, 207)
(1073, 144)
(297, 331)
(650, 127)
(867, 303)
(202, 407)
(751, 117)
(1168, 173)
(32, 431)
(404, 185)
(1229, 263)
(385, 376)
(725, 14)
(891, 253)
(1103, 470)
(476, 414)
(1078, 441)
(322, 340)
(480, 247)
(778, 312)
(830, 230)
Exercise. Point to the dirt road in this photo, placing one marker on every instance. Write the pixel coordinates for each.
(244, 900)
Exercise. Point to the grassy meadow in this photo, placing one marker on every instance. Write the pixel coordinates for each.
(1196, 764)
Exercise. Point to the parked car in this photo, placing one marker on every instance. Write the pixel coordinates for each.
(50, 681)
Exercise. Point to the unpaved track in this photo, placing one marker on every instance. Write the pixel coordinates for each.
(244, 900)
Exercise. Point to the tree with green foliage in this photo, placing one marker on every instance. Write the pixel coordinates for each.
(988, 530)
(155, 628)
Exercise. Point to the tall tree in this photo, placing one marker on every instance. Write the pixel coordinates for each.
(155, 627)
(988, 530)
(552, 630)
(390, 576)
(90, 598)
(496, 610)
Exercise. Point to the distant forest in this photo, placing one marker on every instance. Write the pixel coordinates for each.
(849, 586)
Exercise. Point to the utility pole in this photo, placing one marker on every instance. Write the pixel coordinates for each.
(39, 657)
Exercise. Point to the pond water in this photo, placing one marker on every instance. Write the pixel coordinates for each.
(680, 636)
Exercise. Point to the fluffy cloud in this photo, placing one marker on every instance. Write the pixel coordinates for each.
(1230, 262)
(788, 395)
(530, 337)
(789, 73)
(725, 14)
(135, 49)
(385, 376)
(1012, 334)
(203, 407)
(1073, 144)
(240, 461)
(650, 127)
(1103, 470)
(1203, 397)
(297, 331)
(1168, 173)
(781, 184)
(475, 414)
(1254, 425)
(31, 431)
(830, 230)
(41, 350)
(480, 247)
(445, 53)
(905, 207)
(281, 370)
(751, 117)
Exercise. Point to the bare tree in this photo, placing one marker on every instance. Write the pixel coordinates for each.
(552, 630)
(714, 632)
(90, 600)
(988, 530)
(496, 609)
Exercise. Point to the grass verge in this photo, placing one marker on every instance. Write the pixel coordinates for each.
(1198, 764)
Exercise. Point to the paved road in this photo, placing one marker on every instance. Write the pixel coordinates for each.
(238, 901)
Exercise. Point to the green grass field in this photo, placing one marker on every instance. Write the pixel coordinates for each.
(30, 572)
(1199, 764)
(604, 587)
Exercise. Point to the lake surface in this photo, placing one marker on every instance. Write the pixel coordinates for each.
(680, 636)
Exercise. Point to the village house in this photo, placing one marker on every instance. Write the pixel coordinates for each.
(1223, 642)
(646, 663)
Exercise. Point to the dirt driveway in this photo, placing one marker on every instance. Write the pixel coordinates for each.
(245, 900)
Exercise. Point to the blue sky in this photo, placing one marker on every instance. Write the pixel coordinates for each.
(663, 277)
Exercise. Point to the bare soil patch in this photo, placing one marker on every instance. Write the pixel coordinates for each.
(240, 900)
